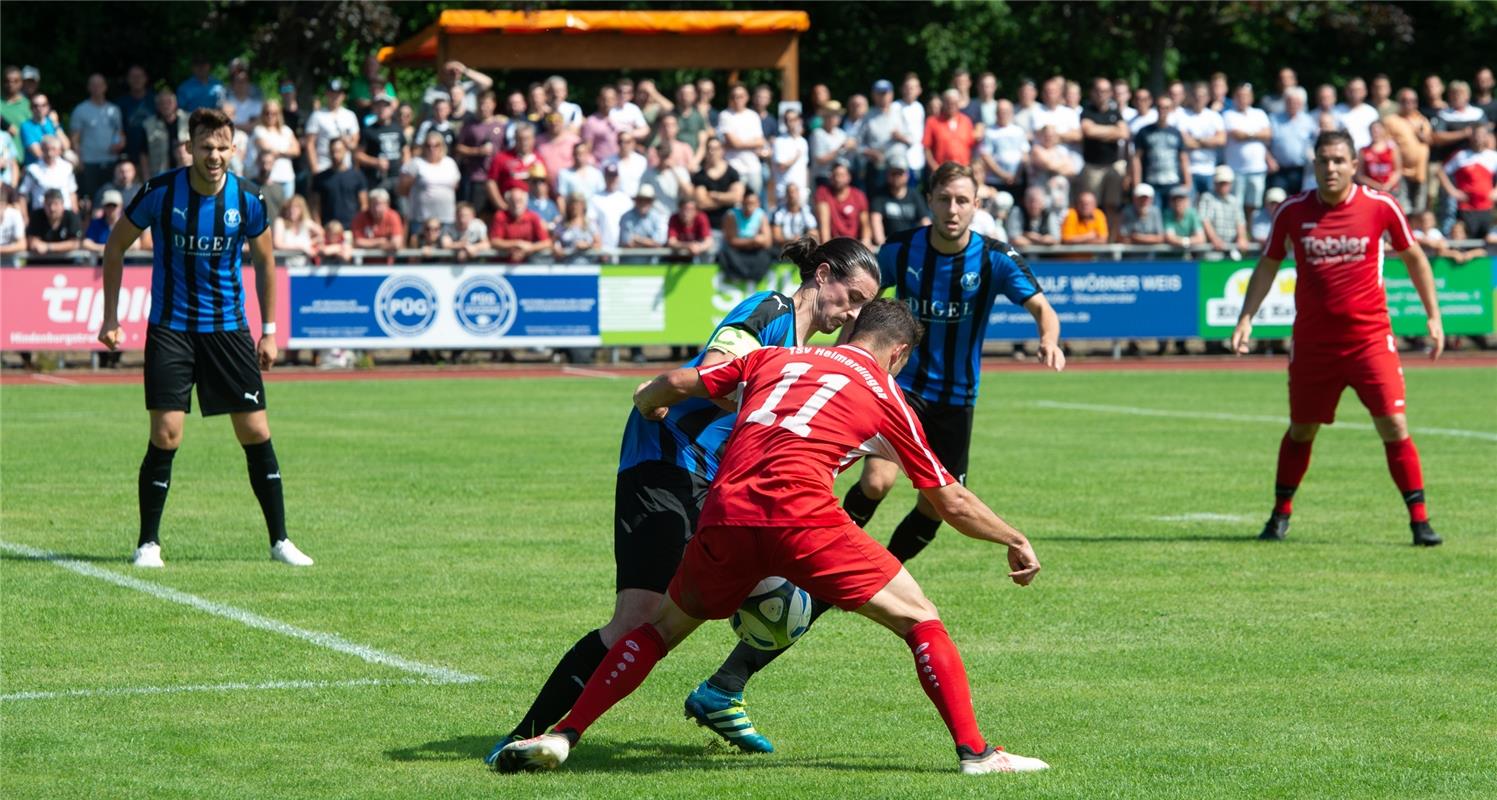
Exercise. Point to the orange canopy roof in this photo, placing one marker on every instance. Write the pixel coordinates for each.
(422, 47)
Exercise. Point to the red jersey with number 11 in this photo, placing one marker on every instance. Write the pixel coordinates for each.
(804, 415)
(1338, 254)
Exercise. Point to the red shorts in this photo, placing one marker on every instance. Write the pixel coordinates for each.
(722, 564)
(1318, 375)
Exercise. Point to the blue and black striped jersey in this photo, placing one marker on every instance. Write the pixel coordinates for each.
(952, 295)
(693, 434)
(199, 244)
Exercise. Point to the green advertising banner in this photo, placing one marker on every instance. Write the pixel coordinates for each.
(654, 304)
(1465, 293)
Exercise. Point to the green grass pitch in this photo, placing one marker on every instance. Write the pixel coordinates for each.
(466, 524)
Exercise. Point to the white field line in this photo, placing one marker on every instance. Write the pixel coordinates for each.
(54, 379)
(1486, 436)
(249, 618)
(584, 372)
(127, 691)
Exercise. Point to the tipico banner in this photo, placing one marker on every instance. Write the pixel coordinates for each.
(444, 306)
(61, 308)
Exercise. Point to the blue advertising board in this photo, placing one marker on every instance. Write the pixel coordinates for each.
(1108, 300)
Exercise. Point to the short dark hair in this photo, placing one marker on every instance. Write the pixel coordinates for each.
(207, 120)
(948, 172)
(1327, 138)
(888, 322)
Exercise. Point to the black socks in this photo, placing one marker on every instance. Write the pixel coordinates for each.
(155, 479)
(915, 531)
(859, 506)
(746, 660)
(564, 686)
(265, 478)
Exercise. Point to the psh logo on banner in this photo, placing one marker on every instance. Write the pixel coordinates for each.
(405, 305)
(486, 305)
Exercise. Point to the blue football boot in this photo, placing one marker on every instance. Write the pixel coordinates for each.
(727, 716)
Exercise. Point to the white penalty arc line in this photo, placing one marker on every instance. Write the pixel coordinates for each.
(1485, 436)
(127, 691)
(249, 618)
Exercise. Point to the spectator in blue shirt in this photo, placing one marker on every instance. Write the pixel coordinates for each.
(1292, 146)
(643, 225)
(201, 90)
(43, 123)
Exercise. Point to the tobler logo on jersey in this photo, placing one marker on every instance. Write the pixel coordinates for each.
(1335, 247)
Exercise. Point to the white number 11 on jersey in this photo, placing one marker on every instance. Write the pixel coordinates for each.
(799, 423)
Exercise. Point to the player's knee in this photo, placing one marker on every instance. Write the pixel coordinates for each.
(876, 485)
(1303, 432)
(1392, 429)
(166, 437)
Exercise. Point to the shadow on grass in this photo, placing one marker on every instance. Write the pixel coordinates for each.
(642, 756)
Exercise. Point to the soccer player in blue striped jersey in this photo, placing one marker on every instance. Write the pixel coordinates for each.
(666, 467)
(201, 217)
(950, 276)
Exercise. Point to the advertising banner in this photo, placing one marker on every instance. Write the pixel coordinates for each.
(1107, 300)
(674, 303)
(444, 306)
(61, 308)
(1464, 291)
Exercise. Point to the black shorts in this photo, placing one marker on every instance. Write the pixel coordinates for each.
(223, 365)
(948, 428)
(655, 509)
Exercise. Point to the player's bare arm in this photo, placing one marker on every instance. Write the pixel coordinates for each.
(262, 252)
(1048, 323)
(1423, 279)
(1257, 289)
(963, 510)
(654, 397)
(124, 234)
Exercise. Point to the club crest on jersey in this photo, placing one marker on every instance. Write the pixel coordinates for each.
(231, 217)
(1323, 246)
(970, 280)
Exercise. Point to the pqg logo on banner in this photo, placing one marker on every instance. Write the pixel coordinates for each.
(486, 305)
(405, 305)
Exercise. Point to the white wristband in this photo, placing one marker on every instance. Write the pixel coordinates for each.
(268, 329)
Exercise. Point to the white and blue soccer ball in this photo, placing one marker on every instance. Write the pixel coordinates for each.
(774, 615)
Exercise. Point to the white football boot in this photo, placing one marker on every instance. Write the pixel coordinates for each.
(286, 553)
(147, 555)
(999, 761)
(547, 751)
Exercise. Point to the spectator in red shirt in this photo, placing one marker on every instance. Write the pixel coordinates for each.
(516, 231)
(511, 169)
(949, 136)
(689, 233)
(842, 210)
(1381, 165)
(378, 227)
(1468, 178)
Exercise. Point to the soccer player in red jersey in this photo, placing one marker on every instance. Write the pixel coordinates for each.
(771, 511)
(1342, 336)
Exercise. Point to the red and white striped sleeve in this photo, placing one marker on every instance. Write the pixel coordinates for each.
(905, 435)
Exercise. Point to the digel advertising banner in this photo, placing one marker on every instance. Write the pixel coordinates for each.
(444, 306)
(1108, 300)
(1464, 291)
(61, 308)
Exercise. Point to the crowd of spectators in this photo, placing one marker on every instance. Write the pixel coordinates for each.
(474, 171)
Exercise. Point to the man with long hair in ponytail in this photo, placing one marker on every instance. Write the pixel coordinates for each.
(950, 276)
(667, 464)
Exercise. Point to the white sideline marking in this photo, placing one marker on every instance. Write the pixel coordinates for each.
(589, 373)
(1204, 516)
(328, 640)
(54, 379)
(1486, 436)
(218, 687)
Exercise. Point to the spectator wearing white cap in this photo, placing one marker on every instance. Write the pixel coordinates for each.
(111, 208)
(1221, 213)
(1263, 217)
(645, 224)
(1142, 222)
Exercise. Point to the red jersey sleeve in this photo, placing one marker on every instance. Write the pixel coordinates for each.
(1278, 233)
(1395, 223)
(905, 435)
(722, 379)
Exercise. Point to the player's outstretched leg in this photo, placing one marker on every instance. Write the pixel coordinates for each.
(1408, 475)
(717, 703)
(559, 692)
(902, 607)
(1294, 461)
(155, 479)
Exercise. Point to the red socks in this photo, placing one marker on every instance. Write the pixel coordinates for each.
(625, 667)
(944, 679)
(1294, 460)
(1403, 463)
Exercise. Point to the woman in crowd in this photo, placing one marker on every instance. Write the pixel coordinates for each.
(1382, 166)
(718, 186)
(746, 255)
(431, 183)
(576, 238)
(296, 232)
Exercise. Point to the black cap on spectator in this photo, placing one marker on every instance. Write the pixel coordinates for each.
(337, 85)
